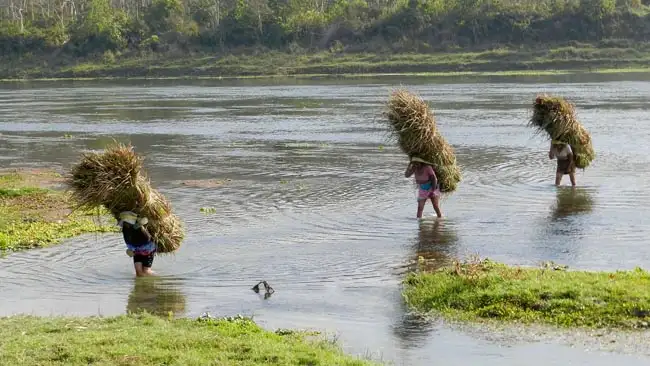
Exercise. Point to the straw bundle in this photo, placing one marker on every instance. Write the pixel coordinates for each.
(115, 179)
(557, 118)
(414, 127)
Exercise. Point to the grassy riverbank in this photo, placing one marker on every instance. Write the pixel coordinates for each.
(33, 213)
(148, 340)
(480, 290)
(585, 58)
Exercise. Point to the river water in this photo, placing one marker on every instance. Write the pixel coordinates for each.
(313, 200)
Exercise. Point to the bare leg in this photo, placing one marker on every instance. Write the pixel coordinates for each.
(139, 271)
(421, 204)
(436, 205)
(142, 271)
(558, 178)
(572, 176)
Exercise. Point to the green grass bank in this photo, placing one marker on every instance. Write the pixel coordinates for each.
(569, 59)
(484, 290)
(148, 340)
(35, 212)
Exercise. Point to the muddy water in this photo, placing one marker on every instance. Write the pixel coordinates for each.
(309, 197)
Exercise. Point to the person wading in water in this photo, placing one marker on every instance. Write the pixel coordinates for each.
(427, 181)
(138, 241)
(565, 163)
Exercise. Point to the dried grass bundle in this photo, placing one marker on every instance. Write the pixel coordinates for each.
(115, 179)
(413, 126)
(557, 118)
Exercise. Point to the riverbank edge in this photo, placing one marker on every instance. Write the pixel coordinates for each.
(145, 339)
(322, 65)
(345, 76)
(37, 212)
(483, 291)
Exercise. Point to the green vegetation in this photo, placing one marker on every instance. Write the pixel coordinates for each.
(173, 38)
(208, 210)
(585, 58)
(18, 192)
(34, 216)
(481, 290)
(148, 340)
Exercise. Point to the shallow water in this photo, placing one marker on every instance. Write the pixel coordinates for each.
(316, 202)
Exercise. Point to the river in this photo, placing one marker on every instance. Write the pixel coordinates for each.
(311, 198)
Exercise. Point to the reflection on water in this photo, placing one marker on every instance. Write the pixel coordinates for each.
(572, 201)
(155, 296)
(435, 244)
(569, 215)
(571, 221)
(411, 330)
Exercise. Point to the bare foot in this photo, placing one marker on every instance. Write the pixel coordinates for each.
(146, 273)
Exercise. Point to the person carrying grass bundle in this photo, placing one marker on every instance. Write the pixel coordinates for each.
(565, 162)
(428, 186)
(138, 241)
(115, 179)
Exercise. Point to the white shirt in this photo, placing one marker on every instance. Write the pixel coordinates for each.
(562, 153)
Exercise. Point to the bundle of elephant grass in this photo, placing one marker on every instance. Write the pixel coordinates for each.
(115, 179)
(414, 127)
(557, 118)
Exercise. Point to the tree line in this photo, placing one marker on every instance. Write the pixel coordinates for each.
(84, 27)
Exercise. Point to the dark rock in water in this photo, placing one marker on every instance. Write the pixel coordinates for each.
(268, 290)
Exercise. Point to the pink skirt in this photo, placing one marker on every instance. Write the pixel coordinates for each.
(425, 194)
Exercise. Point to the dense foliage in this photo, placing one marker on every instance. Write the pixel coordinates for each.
(83, 27)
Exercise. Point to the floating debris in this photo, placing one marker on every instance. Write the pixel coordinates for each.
(205, 183)
(301, 186)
